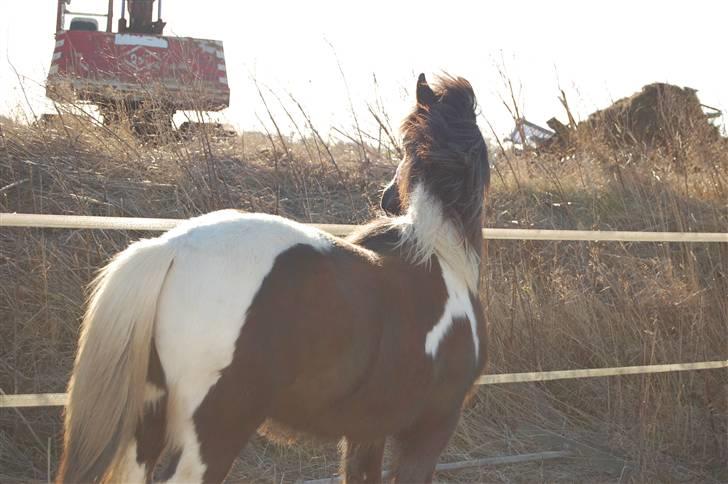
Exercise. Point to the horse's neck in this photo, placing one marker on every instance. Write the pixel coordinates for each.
(427, 232)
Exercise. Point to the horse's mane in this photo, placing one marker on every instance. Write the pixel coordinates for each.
(445, 152)
(445, 149)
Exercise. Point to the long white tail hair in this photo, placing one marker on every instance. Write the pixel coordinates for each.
(106, 390)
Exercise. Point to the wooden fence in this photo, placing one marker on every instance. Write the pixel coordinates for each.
(160, 224)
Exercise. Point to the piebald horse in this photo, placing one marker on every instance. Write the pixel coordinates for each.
(193, 340)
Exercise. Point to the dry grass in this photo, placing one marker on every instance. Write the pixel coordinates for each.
(551, 305)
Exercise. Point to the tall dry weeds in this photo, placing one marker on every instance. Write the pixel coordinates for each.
(551, 305)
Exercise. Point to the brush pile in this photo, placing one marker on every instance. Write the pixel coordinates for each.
(659, 117)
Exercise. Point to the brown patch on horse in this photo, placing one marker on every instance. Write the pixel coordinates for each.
(333, 345)
(361, 463)
(151, 430)
(169, 466)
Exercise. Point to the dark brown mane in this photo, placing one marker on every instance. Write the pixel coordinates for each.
(445, 150)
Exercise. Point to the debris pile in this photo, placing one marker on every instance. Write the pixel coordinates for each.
(659, 116)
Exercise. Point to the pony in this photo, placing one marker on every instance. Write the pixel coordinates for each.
(194, 340)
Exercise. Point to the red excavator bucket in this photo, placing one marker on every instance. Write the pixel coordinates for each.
(103, 67)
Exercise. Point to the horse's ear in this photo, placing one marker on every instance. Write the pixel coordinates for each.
(425, 94)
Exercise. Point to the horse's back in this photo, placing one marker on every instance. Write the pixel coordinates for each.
(221, 261)
(240, 232)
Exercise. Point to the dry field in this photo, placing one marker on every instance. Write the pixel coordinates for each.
(551, 305)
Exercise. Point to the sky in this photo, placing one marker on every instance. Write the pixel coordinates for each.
(596, 52)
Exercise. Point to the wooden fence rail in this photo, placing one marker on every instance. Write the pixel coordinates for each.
(159, 224)
(59, 399)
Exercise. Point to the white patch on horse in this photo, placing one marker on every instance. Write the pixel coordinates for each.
(220, 262)
(458, 305)
(153, 394)
(129, 469)
(428, 232)
(190, 468)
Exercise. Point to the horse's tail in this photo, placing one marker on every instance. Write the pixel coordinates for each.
(106, 390)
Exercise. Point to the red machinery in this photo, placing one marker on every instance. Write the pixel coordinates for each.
(136, 66)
